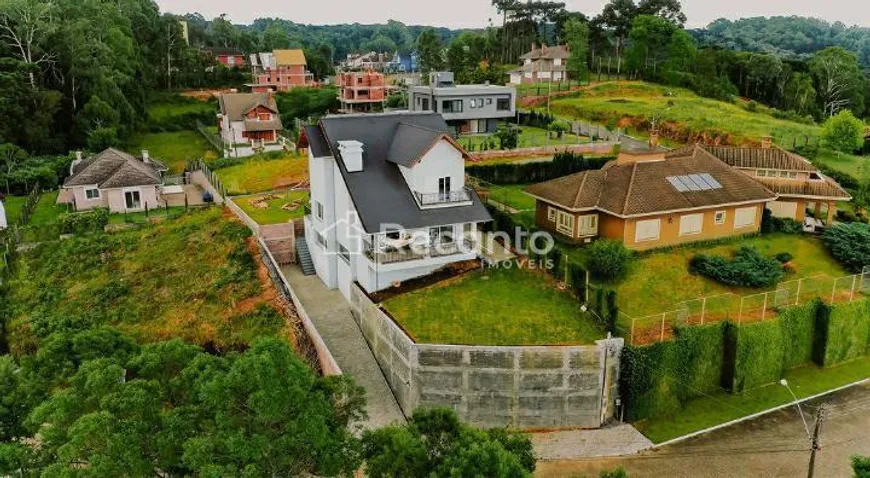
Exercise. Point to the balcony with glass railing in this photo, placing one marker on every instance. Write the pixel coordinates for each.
(394, 255)
(457, 197)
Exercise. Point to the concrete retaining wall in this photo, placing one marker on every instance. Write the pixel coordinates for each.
(520, 387)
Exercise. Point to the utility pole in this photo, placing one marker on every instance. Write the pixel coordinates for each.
(820, 415)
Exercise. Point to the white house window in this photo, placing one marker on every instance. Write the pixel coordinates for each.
(441, 234)
(321, 240)
(93, 193)
(444, 188)
(691, 224)
(587, 225)
(451, 106)
(318, 210)
(565, 224)
(473, 103)
(132, 199)
(344, 253)
(551, 214)
(720, 218)
(647, 230)
(744, 217)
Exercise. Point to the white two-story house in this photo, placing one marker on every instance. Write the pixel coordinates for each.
(388, 200)
(249, 123)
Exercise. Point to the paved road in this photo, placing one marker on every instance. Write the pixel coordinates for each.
(331, 315)
(774, 445)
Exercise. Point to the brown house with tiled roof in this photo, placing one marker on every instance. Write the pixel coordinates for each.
(115, 180)
(542, 64)
(656, 199)
(249, 123)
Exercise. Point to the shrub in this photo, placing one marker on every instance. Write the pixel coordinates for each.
(508, 136)
(784, 257)
(771, 224)
(844, 132)
(83, 222)
(861, 466)
(747, 268)
(608, 259)
(849, 244)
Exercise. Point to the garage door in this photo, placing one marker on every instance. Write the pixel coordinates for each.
(647, 230)
(783, 209)
(744, 217)
(691, 224)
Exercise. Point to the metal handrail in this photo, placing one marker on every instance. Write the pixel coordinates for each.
(429, 199)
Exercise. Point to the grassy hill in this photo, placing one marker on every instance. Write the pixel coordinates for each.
(194, 277)
(682, 115)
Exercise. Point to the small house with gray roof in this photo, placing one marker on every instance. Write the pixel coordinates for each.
(249, 123)
(114, 180)
(389, 201)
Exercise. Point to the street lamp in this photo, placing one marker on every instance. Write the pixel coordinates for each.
(797, 403)
(814, 435)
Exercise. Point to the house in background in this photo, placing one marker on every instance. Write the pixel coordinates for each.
(361, 91)
(468, 109)
(4, 223)
(543, 64)
(228, 57)
(365, 61)
(115, 180)
(388, 200)
(407, 63)
(279, 70)
(249, 123)
(655, 198)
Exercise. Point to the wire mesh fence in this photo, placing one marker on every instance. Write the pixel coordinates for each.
(745, 309)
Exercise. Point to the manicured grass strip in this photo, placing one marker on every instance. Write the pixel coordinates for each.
(47, 210)
(701, 413)
(495, 307)
(274, 214)
(141, 217)
(512, 195)
(174, 149)
(844, 163)
(13, 205)
(259, 175)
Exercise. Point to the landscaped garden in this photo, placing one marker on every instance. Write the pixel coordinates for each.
(261, 173)
(173, 148)
(530, 136)
(680, 113)
(512, 196)
(500, 306)
(274, 208)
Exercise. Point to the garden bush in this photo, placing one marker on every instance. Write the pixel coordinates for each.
(849, 244)
(508, 136)
(83, 222)
(747, 268)
(609, 259)
(771, 224)
(784, 257)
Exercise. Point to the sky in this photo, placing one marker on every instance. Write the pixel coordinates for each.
(477, 13)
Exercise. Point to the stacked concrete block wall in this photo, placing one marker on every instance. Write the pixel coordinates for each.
(521, 387)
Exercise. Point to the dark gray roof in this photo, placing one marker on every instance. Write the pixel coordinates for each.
(114, 169)
(236, 105)
(410, 143)
(379, 192)
(316, 142)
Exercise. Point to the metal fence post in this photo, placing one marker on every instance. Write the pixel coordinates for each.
(797, 299)
(703, 309)
(764, 307)
(662, 338)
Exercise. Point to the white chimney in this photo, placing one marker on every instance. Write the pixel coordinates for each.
(352, 154)
(146, 158)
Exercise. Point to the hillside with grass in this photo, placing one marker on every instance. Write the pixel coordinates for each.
(682, 115)
(195, 278)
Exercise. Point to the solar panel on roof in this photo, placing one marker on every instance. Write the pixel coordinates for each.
(678, 185)
(694, 182)
(711, 181)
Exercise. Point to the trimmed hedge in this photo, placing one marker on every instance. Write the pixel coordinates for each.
(562, 164)
(848, 332)
(656, 379)
(798, 329)
(759, 354)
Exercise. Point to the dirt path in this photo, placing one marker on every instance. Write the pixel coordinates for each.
(775, 445)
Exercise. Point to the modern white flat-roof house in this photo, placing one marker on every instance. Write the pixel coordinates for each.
(467, 109)
(388, 200)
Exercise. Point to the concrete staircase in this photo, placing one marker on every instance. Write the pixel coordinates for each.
(304, 257)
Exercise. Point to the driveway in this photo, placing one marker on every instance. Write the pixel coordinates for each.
(774, 445)
(330, 313)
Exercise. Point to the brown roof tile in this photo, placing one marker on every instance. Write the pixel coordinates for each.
(764, 158)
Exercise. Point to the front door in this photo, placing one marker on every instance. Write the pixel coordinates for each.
(444, 188)
(132, 199)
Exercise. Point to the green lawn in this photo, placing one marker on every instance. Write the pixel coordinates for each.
(142, 218)
(721, 407)
(512, 195)
(494, 307)
(274, 212)
(680, 113)
(173, 148)
(658, 281)
(844, 163)
(47, 210)
(13, 205)
(258, 174)
(162, 111)
(529, 137)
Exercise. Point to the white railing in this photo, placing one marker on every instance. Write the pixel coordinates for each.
(431, 199)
